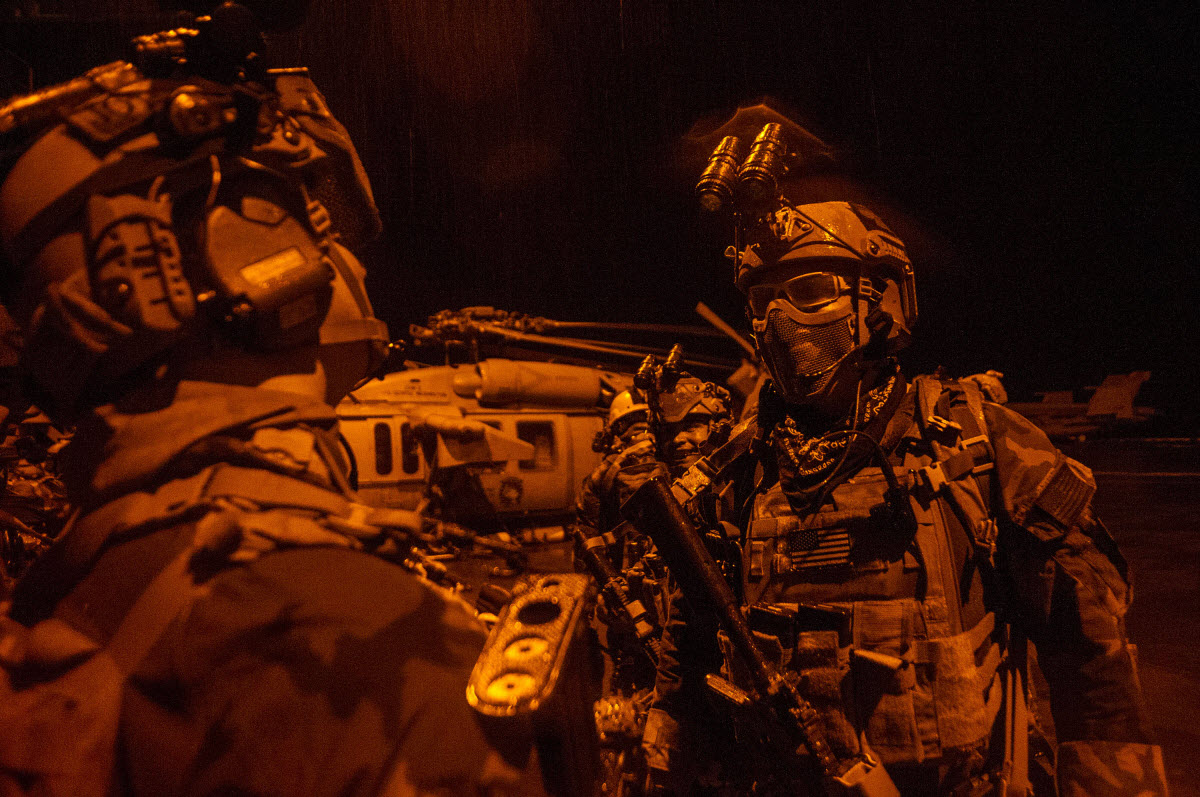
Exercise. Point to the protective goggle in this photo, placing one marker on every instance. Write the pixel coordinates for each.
(807, 292)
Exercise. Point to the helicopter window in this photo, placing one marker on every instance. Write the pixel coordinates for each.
(410, 457)
(383, 449)
(541, 435)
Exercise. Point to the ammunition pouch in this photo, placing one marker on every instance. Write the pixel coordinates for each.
(916, 699)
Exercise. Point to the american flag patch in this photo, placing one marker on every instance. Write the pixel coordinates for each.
(811, 548)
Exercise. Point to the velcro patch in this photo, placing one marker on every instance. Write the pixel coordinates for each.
(111, 115)
(1066, 494)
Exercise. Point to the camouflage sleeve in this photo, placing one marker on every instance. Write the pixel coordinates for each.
(629, 462)
(1070, 593)
(587, 505)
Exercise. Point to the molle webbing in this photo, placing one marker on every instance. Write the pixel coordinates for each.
(915, 697)
(951, 421)
(924, 686)
(940, 694)
(966, 693)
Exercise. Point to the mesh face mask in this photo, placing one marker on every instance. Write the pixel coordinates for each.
(803, 357)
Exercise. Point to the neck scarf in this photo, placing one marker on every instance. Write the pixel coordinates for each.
(812, 461)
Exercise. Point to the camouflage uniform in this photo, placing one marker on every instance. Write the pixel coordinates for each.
(691, 412)
(1006, 547)
(899, 543)
(219, 617)
(305, 664)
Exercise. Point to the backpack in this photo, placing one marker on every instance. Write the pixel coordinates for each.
(61, 691)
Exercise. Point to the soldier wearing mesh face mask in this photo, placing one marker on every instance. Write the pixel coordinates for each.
(903, 541)
(222, 614)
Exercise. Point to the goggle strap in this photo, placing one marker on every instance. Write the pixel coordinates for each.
(867, 292)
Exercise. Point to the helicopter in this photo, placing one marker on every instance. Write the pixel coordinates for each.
(497, 443)
(486, 442)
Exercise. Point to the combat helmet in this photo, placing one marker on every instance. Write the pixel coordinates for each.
(627, 408)
(829, 287)
(838, 237)
(156, 223)
(693, 396)
(829, 291)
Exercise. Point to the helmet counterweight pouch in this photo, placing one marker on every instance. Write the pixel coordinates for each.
(274, 283)
(137, 270)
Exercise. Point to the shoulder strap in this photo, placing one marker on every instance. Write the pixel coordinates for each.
(89, 534)
(950, 418)
(928, 389)
(964, 404)
(173, 589)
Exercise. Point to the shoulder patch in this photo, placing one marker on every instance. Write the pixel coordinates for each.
(1066, 492)
(46, 105)
(298, 94)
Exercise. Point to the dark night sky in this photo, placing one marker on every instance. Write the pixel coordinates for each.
(525, 154)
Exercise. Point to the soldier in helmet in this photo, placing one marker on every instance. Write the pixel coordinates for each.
(901, 541)
(222, 614)
(661, 426)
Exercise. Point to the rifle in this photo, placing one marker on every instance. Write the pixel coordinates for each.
(655, 512)
(616, 590)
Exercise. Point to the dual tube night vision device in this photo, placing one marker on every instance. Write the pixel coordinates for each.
(727, 180)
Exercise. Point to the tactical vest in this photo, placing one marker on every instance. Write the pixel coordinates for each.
(885, 636)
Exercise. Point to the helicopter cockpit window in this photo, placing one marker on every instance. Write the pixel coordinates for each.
(383, 449)
(541, 435)
(410, 456)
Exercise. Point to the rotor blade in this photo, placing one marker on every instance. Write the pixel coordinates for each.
(581, 345)
(622, 326)
(708, 315)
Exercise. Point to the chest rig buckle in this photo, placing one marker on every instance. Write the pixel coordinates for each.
(970, 456)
